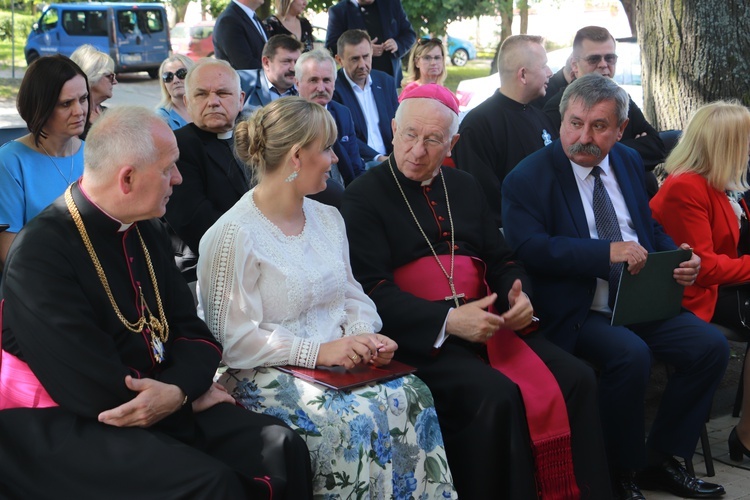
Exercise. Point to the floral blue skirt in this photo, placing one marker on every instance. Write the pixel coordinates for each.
(379, 441)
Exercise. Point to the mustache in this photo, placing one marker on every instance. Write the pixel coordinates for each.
(321, 94)
(590, 149)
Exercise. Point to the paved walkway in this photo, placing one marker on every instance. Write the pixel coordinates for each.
(734, 476)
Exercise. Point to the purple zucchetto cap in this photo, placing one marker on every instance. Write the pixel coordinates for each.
(431, 91)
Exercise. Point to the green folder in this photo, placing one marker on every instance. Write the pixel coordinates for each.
(652, 294)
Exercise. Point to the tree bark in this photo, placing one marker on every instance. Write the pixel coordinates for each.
(523, 14)
(629, 8)
(693, 52)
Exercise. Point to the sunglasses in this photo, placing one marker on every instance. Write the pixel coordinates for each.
(595, 59)
(169, 76)
(111, 77)
(425, 41)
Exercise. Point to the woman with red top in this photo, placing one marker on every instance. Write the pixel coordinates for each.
(702, 202)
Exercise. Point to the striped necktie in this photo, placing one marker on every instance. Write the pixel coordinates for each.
(607, 227)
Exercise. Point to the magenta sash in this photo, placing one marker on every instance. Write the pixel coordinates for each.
(19, 387)
(546, 413)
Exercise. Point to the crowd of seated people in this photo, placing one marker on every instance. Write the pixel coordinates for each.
(244, 197)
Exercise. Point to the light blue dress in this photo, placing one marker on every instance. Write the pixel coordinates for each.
(29, 181)
(173, 119)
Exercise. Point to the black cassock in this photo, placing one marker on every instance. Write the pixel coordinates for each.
(480, 410)
(59, 320)
(495, 137)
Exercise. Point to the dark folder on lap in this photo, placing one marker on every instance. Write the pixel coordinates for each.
(652, 294)
(339, 378)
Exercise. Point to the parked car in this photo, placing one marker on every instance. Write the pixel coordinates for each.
(460, 51)
(135, 35)
(474, 91)
(194, 41)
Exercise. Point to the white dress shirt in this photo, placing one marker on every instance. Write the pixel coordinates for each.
(585, 182)
(369, 108)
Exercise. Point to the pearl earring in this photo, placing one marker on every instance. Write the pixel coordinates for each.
(291, 177)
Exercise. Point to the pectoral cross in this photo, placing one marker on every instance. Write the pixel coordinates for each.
(455, 295)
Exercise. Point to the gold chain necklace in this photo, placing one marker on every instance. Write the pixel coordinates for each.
(157, 329)
(72, 157)
(454, 297)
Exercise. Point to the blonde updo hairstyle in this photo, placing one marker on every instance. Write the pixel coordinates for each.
(266, 138)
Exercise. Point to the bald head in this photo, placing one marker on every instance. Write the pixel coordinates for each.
(522, 63)
(121, 136)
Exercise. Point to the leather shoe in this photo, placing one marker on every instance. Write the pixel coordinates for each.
(671, 476)
(736, 448)
(625, 488)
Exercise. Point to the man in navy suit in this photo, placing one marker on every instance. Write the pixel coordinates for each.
(212, 178)
(369, 94)
(239, 35)
(553, 208)
(387, 24)
(276, 78)
(315, 77)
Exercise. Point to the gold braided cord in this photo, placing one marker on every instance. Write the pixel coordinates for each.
(161, 326)
(419, 226)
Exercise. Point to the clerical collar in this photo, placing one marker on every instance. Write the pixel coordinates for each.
(225, 135)
(583, 172)
(123, 226)
(410, 182)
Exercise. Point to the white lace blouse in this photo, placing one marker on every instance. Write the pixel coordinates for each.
(272, 299)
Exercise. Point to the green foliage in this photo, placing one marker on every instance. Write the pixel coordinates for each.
(429, 17)
(215, 7)
(8, 35)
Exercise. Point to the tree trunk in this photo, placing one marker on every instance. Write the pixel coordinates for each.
(523, 13)
(629, 7)
(506, 14)
(693, 52)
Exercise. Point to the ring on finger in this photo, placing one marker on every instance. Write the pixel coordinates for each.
(354, 357)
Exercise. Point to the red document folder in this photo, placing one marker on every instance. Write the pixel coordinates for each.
(338, 377)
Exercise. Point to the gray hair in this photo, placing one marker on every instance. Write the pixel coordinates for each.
(93, 62)
(121, 136)
(166, 99)
(594, 88)
(202, 63)
(318, 55)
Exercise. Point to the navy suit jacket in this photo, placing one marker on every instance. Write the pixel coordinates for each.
(257, 94)
(544, 222)
(237, 40)
(346, 16)
(350, 162)
(386, 99)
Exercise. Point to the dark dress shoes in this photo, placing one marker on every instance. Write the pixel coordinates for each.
(736, 448)
(625, 488)
(671, 476)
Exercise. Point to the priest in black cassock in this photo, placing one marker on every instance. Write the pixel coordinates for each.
(506, 128)
(106, 379)
(519, 416)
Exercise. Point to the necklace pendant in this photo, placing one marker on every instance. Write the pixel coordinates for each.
(455, 296)
(157, 348)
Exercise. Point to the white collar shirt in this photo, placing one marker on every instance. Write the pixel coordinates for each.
(369, 108)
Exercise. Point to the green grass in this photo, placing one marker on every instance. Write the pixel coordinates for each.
(471, 70)
(23, 24)
(9, 88)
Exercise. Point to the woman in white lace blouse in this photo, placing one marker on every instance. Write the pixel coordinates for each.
(276, 288)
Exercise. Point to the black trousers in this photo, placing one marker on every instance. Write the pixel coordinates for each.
(484, 425)
(232, 454)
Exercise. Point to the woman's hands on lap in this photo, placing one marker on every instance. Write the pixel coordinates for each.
(355, 350)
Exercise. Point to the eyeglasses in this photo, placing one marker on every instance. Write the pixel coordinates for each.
(169, 76)
(110, 76)
(430, 59)
(411, 139)
(595, 59)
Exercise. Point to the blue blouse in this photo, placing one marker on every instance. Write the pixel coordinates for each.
(29, 181)
(173, 119)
